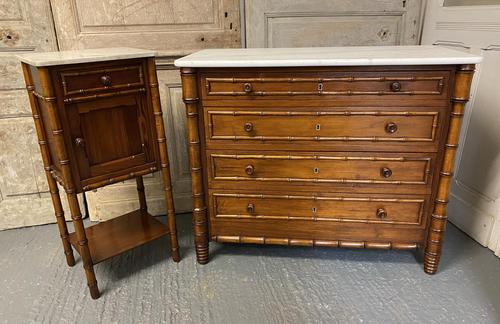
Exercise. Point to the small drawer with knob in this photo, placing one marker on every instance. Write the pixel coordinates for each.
(82, 82)
(407, 210)
(390, 172)
(239, 86)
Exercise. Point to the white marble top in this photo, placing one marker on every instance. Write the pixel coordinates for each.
(84, 56)
(327, 56)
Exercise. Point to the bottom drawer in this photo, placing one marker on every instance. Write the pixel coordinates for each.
(354, 209)
(352, 220)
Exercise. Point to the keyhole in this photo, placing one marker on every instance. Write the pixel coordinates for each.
(316, 170)
(318, 127)
(314, 209)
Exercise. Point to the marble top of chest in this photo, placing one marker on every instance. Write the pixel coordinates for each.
(327, 56)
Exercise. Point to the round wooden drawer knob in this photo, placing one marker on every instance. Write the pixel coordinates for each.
(106, 80)
(80, 142)
(395, 87)
(381, 213)
(250, 208)
(391, 128)
(386, 172)
(248, 127)
(247, 87)
(249, 169)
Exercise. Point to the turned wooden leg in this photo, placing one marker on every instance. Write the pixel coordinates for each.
(83, 246)
(165, 168)
(54, 190)
(61, 221)
(432, 255)
(142, 195)
(200, 224)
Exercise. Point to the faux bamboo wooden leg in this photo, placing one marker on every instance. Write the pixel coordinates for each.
(67, 179)
(61, 221)
(54, 191)
(142, 195)
(83, 246)
(200, 224)
(432, 255)
(165, 169)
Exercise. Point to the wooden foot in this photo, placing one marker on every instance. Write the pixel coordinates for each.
(431, 263)
(70, 258)
(94, 290)
(172, 224)
(202, 254)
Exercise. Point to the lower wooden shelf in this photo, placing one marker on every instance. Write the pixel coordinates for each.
(113, 237)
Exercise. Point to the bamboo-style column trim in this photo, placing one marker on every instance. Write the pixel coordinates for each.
(191, 99)
(314, 243)
(142, 195)
(165, 169)
(64, 166)
(439, 216)
(54, 190)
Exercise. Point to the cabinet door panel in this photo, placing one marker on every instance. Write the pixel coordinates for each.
(110, 135)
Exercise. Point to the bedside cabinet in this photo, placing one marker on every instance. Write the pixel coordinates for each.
(333, 147)
(98, 119)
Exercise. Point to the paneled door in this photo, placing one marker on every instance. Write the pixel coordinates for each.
(25, 26)
(174, 28)
(474, 26)
(303, 23)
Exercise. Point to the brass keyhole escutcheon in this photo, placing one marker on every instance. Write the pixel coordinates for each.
(316, 170)
(314, 210)
(318, 127)
(250, 208)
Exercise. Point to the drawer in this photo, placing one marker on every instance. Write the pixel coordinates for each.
(354, 172)
(325, 126)
(88, 80)
(310, 167)
(370, 84)
(313, 208)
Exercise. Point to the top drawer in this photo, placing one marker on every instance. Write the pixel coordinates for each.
(327, 85)
(97, 79)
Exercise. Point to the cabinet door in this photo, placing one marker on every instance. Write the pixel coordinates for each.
(111, 136)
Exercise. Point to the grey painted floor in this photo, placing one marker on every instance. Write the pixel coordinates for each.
(250, 284)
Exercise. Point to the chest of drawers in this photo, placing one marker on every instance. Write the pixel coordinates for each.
(324, 147)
